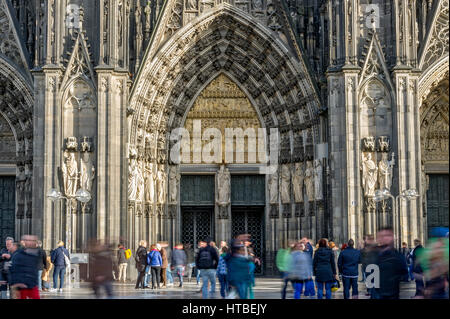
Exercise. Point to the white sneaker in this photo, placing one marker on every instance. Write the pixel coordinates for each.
(169, 285)
(60, 290)
(53, 290)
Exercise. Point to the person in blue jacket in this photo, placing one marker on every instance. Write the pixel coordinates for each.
(59, 261)
(348, 264)
(154, 260)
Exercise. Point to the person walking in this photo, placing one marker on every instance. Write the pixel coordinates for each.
(238, 266)
(207, 261)
(369, 255)
(42, 264)
(300, 268)
(324, 269)
(102, 263)
(391, 264)
(164, 265)
(178, 262)
(417, 269)
(222, 272)
(60, 258)
(5, 263)
(24, 269)
(283, 262)
(348, 264)
(310, 290)
(141, 263)
(123, 263)
(155, 261)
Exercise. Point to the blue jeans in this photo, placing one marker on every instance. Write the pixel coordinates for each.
(208, 275)
(148, 276)
(284, 275)
(169, 275)
(320, 285)
(298, 287)
(179, 271)
(242, 289)
(197, 275)
(309, 288)
(223, 285)
(350, 282)
(40, 279)
(59, 271)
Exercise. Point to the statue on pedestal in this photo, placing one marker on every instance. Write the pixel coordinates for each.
(369, 175)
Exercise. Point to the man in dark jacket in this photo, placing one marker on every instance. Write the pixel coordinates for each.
(102, 268)
(122, 262)
(348, 264)
(324, 268)
(42, 264)
(24, 269)
(392, 266)
(5, 262)
(369, 256)
(207, 261)
(141, 263)
(58, 258)
(178, 261)
(417, 269)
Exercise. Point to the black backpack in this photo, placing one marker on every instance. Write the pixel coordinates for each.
(205, 260)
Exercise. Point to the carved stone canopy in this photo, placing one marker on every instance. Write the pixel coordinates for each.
(71, 144)
(368, 144)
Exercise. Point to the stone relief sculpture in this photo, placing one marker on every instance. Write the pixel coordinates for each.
(161, 181)
(309, 180)
(174, 180)
(224, 185)
(297, 182)
(70, 174)
(132, 179)
(369, 144)
(385, 170)
(285, 184)
(150, 179)
(273, 188)
(369, 175)
(191, 4)
(139, 182)
(87, 172)
(318, 181)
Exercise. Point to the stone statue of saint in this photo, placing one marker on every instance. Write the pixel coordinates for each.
(309, 181)
(285, 184)
(148, 15)
(149, 183)
(273, 188)
(297, 182)
(161, 180)
(385, 170)
(369, 175)
(20, 185)
(224, 185)
(132, 179)
(137, 15)
(318, 189)
(174, 181)
(191, 4)
(87, 172)
(70, 174)
(139, 182)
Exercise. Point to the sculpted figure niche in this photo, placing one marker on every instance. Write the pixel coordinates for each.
(318, 182)
(285, 184)
(70, 174)
(139, 182)
(385, 170)
(174, 181)
(224, 185)
(309, 180)
(132, 179)
(150, 179)
(297, 182)
(87, 172)
(162, 182)
(369, 175)
(273, 188)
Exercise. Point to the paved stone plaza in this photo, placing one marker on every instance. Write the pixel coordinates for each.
(266, 288)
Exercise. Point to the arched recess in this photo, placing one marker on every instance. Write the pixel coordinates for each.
(227, 40)
(16, 108)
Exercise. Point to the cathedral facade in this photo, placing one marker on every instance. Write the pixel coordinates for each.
(316, 107)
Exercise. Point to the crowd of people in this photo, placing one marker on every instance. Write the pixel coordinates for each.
(381, 267)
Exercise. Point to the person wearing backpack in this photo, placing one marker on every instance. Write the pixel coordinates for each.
(60, 259)
(207, 261)
(122, 260)
(141, 263)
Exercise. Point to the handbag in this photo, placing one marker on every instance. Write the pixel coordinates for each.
(66, 259)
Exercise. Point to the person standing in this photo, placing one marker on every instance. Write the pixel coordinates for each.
(222, 272)
(391, 264)
(123, 263)
(348, 264)
(310, 290)
(405, 253)
(417, 269)
(207, 261)
(42, 264)
(324, 269)
(369, 257)
(141, 263)
(190, 260)
(5, 262)
(300, 268)
(24, 269)
(60, 257)
(164, 265)
(178, 262)
(155, 261)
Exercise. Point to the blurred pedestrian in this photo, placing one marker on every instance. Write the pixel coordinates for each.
(5, 263)
(222, 272)
(417, 269)
(300, 268)
(348, 264)
(283, 261)
(310, 290)
(250, 252)
(223, 244)
(324, 269)
(164, 265)
(392, 266)
(101, 263)
(122, 261)
(405, 252)
(207, 261)
(141, 263)
(213, 245)
(369, 256)
(190, 260)
(178, 262)
(201, 244)
(46, 275)
(155, 261)
(60, 258)
(238, 266)
(42, 263)
(24, 269)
